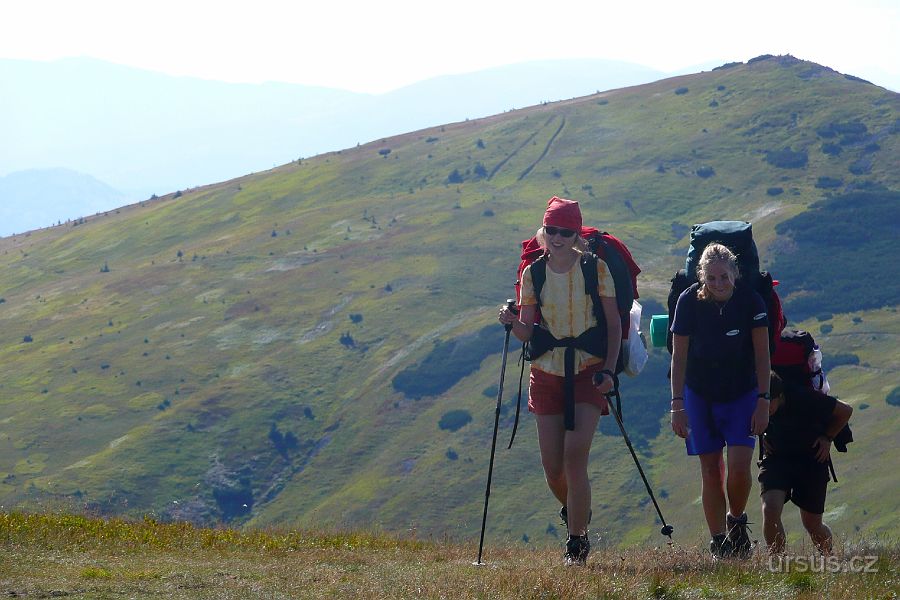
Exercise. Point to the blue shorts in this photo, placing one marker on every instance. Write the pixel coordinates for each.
(713, 425)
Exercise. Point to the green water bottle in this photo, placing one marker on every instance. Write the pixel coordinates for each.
(659, 327)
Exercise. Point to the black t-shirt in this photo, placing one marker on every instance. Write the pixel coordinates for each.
(720, 361)
(802, 418)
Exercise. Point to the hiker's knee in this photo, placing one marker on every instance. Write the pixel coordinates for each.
(711, 468)
(772, 509)
(555, 474)
(812, 522)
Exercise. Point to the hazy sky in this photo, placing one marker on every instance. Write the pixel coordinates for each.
(376, 46)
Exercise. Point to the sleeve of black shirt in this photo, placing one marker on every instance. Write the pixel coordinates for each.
(683, 320)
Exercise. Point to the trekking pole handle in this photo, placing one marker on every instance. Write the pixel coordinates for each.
(511, 306)
(599, 376)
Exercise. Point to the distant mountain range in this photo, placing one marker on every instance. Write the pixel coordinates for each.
(28, 198)
(147, 133)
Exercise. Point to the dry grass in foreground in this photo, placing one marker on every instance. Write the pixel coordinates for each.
(52, 555)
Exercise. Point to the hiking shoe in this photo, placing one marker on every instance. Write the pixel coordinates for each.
(720, 546)
(577, 549)
(738, 534)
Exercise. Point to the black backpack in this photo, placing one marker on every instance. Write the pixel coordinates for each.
(737, 236)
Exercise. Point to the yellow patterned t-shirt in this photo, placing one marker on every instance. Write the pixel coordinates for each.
(566, 311)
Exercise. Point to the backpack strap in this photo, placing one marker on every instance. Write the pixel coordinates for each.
(539, 276)
(519, 397)
(591, 286)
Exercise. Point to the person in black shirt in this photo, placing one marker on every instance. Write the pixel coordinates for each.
(720, 383)
(797, 444)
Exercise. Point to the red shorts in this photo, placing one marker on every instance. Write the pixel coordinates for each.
(546, 392)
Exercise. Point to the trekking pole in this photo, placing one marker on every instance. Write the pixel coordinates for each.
(598, 379)
(511, 304)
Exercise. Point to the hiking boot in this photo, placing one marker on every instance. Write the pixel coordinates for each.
(738, 534)
(577, 549)
(720, 546)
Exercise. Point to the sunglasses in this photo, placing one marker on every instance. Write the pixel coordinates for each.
(566, 233)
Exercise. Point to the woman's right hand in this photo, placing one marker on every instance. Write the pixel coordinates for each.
(506, 316)
(679, 422)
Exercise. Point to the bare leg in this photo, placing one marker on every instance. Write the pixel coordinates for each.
(712, 472)
(551, 439)
(818, 531)
(773, 529)
(739, 480)
(577, 449)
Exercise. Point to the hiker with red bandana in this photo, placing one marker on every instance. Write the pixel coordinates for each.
(567, 406)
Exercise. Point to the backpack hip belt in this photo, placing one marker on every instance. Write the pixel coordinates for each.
(591, 341)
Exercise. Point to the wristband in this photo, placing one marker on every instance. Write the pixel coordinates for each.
(675, 410)
(678, 398)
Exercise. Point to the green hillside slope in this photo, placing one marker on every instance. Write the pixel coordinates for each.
(232, 352)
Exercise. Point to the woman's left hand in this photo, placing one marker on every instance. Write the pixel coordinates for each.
(605, 386)
(822, 446)
(760, 419)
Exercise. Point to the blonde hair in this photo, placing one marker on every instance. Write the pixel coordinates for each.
(715, 253)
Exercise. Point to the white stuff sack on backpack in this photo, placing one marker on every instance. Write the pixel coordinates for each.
(635, 347)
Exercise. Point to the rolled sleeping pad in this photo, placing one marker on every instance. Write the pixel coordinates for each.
(659, 328)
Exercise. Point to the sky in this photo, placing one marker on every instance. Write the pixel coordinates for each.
(375, 47)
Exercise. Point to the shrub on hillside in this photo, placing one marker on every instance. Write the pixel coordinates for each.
(832, 361)
(234, 500)
(826, 328)
(448, 362)
(451, 454)
(759, 58)
(787, 158)
(840, 245)
(455, 420)
(455, 177)
(832, 149)
(861, 166)
(681, 91)
(384, 152)
(893, 398)
(828, 183)
(775, 191)
(643, 406)
(705, 172)
(713, 104)
(480, 171)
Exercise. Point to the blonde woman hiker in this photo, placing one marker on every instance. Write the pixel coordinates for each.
(570, 333)
(720, 391)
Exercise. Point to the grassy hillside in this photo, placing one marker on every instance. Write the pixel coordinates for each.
(232, 352)
(60, 555)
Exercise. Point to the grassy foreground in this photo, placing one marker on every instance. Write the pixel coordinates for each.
(56, 555)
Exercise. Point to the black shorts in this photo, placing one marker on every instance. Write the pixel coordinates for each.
(804, 480)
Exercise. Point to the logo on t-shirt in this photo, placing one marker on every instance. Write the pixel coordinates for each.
(760, 316)
(733, 332)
